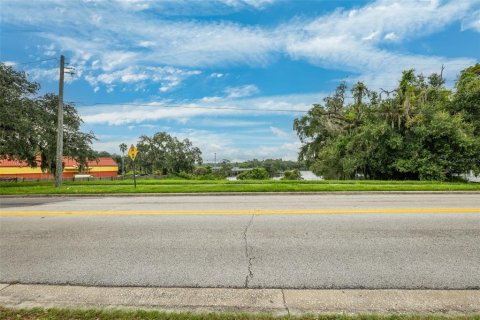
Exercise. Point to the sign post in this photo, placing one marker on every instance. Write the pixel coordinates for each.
(132, 153)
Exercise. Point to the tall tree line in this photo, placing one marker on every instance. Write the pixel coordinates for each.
(421, 130)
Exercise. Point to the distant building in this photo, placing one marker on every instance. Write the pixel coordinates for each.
(103, 167)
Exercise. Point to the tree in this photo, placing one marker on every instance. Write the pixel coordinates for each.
(17, 114)
(99, 154)
(165, 154)
(28, 124)
(225, 169)
(467, 97)
(424, 131)
(123, 147)
(273, 166)
(76, 144)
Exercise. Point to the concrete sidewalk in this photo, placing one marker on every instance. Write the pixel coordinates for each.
(276, 301)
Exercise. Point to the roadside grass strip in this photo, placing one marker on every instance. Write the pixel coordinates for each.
(110, 314)
(222, 186)
(241, 212)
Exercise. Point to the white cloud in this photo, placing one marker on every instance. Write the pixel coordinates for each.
(181, 43)
(211, 99)
(188, 7)
(95, 65)
(121, 114)
(132, 77)
(391, 36)
(472, 21)
(407, 18)
(372, 36)
(285, 151)
(124, 114)
(51, 74)
(348, 40)
(168, 77)
(241, 91)
(259, 4)
(278, 132)
(128, 75)
(112, 144)
(228, 123)
(105, 78)
(135, 5)
(173, 83)
(338, 40)
(233, 93)
(114, 59)
(148, 126)
(146, 44)
(50, 53)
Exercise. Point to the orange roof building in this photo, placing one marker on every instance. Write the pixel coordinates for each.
(103, 167)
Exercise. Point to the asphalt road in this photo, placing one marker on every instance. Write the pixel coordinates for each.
(395, 241)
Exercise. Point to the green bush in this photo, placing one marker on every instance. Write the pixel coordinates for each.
(292, 175)
(185, 175)
(200, 171)
(254, 174)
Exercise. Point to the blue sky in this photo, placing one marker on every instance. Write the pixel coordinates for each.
(230, 75)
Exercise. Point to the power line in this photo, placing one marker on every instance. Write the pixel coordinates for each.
(152, 105)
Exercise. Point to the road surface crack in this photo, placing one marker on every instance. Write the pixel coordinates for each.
(248, 254)
(8, 285)
(285, 302)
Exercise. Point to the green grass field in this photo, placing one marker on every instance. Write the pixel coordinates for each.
(64, 314)
(205, 186)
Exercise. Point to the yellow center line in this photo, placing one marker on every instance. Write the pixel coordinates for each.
(240, 212)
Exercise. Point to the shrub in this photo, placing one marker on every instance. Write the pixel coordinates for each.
(292, 175)
(254, 174)
(200, 171)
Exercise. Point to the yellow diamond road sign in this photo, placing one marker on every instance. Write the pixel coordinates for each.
(132, 152)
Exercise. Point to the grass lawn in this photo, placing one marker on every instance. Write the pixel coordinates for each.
(196, 186)
(57, 314)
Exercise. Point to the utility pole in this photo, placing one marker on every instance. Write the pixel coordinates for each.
(59, 162)
(215, 161)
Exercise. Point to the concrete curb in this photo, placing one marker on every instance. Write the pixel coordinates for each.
(276, 301)
(202, 194)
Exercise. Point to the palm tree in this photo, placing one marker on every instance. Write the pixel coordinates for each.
(123, 148)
